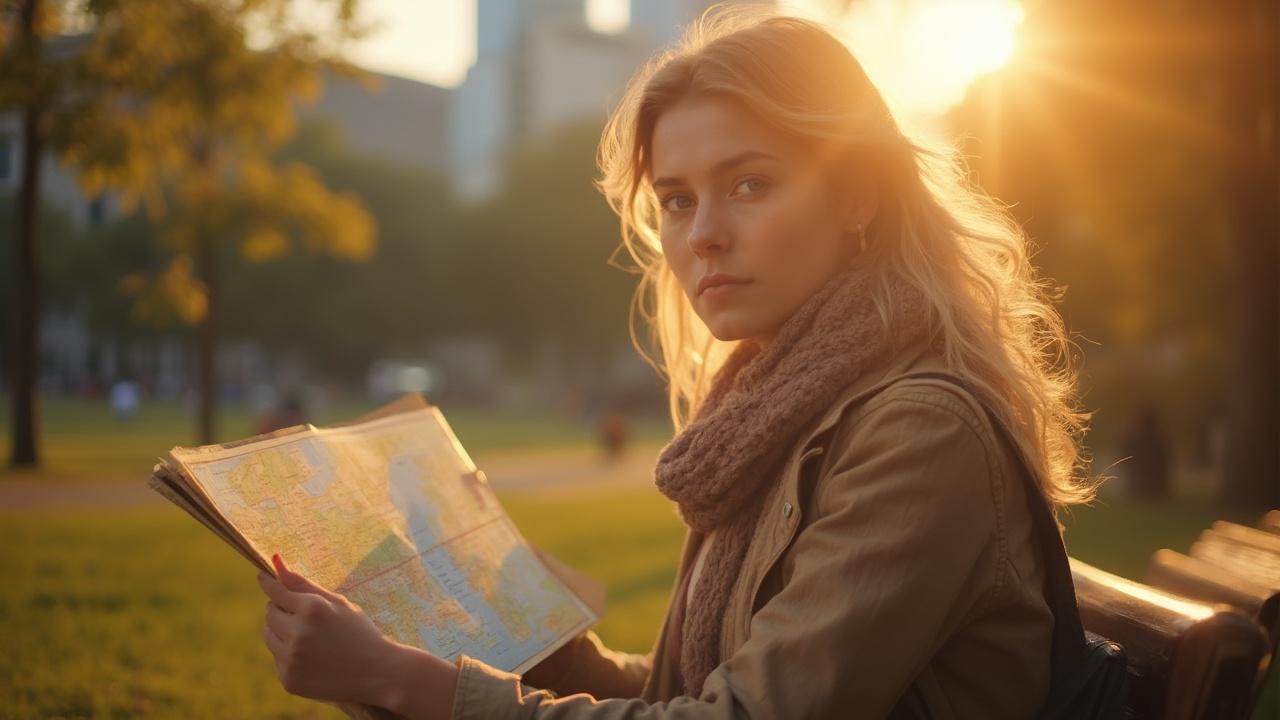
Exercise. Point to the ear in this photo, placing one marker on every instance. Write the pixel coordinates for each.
(862, 201)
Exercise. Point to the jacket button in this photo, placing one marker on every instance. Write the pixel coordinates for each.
(786, 509)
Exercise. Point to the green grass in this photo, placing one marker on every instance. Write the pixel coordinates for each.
(1120, 535)
(145, 613)
(629, 540)
(127, 614)
(81, 441)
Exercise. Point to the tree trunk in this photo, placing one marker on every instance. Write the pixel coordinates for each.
(207, 258)
(26, 304)
(1251, 472)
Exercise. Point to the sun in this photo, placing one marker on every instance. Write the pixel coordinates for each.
(970, 38)
(924, 54)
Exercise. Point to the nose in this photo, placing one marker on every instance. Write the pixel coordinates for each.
(709, 232)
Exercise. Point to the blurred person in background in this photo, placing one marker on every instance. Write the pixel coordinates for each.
(1147, 467)
(288, 414)
(615, 429)
(124, 399)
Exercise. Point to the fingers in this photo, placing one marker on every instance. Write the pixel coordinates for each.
(277, 649)
(298, 583)
(279, 594)
(280, 623)
(274, 643)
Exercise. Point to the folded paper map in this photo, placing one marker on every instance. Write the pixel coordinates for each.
(390, 511)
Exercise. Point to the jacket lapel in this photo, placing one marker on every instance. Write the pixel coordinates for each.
(781, 517)
(779, 520)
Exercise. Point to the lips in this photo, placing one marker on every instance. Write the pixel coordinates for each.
(718, 279)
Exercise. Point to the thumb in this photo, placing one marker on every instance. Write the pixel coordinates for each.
(296, 582)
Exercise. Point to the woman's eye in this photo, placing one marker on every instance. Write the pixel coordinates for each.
(752, 185)
(681, 202)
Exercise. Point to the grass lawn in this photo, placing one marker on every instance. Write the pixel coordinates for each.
(82, 441)
(144, 613)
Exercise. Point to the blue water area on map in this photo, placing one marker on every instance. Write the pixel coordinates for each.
(421, 519)
(318, 484)
(504, 652)
(405, 492)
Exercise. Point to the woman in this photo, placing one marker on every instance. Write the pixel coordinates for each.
(859, 544)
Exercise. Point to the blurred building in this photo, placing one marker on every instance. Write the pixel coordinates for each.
(539, 65)
(396, 119)
(662, 21)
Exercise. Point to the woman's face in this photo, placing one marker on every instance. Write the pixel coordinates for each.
(740, 198)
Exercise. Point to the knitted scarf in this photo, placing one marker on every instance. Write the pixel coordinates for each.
(721, 466)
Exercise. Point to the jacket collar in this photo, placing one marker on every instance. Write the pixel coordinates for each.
(920, 355)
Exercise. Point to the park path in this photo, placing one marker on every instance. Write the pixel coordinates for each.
(511, 472)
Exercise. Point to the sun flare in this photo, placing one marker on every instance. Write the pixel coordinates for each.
(966, 38)
(924, 54)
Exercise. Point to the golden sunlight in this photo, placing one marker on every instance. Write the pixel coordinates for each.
(924, 54)
(968, 38)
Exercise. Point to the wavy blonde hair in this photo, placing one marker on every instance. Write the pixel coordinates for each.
(996, 319)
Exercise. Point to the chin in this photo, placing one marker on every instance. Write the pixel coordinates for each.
(726, 337)
(728, 330)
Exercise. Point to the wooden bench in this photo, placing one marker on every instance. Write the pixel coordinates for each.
(1200, 631)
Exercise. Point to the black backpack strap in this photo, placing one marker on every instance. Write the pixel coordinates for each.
(1068, 632)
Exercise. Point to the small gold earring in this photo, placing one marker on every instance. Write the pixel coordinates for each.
(862, 238)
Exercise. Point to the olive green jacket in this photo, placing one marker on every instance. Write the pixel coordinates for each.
(893, 574)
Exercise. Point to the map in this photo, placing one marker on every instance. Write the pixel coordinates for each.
(392, 513)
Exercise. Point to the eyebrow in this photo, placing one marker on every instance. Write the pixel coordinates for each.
(720, 167)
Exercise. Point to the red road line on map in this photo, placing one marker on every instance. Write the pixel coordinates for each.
(348, 588)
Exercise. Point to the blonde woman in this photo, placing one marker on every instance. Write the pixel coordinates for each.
(859, 543)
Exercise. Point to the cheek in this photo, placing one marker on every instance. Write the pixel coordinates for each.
(789, 227)
(678, 256)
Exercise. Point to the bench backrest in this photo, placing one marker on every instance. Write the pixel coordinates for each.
(1187, 660)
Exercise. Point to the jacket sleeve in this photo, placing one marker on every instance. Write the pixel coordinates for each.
(596, 670)
(905, 542)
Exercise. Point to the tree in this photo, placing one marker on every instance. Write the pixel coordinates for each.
(178, 104)
(545, 242)
(21, 49)
(412, 292)
(1251, 110)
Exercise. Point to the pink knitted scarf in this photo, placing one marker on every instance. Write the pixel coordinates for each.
(722, 465)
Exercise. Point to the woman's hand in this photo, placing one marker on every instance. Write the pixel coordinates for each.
(324, 646)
